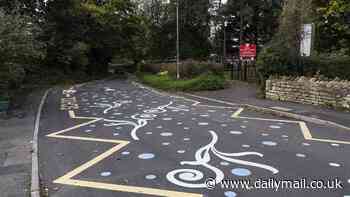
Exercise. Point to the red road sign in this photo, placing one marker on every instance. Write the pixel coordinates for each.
(248, 50)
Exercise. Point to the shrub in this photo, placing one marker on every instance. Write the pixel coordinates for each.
(330, 66)
(188, 69)
(18, 49)
(203, 82)
(273, 60)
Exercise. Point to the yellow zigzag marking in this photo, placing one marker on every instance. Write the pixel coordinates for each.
(67, 179)
(304, 129)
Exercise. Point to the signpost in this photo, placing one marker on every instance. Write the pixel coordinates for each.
(247, 51)
(247, 54)
(306, 40)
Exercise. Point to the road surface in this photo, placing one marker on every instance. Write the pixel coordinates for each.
(117, 138)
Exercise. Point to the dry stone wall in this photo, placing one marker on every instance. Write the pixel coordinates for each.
(335, 93)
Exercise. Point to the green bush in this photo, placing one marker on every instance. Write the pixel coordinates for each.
(330, 66)
(203, 82)
(274, 60)
(188, 69)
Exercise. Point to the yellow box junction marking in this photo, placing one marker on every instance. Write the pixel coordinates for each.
(67, 179)
(304, 129)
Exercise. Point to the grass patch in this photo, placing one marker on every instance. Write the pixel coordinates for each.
(202, 82)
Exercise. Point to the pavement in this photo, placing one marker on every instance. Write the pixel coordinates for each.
(117, 138)
(16, 134)
(246, 93)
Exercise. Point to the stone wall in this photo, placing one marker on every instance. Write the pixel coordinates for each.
(335, 93)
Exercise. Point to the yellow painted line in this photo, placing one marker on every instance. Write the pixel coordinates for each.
(130, 189)
(73, 116)
(88, 139)
(237, 113)
(67, 179)
(304, 129)
(330, 141)
(90, 163)
(72, 128)
(271, 120)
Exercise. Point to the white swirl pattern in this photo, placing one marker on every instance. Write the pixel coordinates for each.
(141, 119)
(203, 157)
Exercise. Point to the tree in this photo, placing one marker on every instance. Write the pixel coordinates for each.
(249, 21)
(18, 48)
(194, 28)
(333, 26)
(85, 35)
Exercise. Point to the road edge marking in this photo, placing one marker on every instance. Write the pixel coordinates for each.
(67, 179)
(35, 182)
(303, 127)
(276, 112)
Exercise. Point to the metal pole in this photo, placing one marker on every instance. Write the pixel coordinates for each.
(224, 49)
(240, 38)
(177, 42)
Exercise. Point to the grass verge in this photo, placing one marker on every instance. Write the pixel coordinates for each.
(166, 82)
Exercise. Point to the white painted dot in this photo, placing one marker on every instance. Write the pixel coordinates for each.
(236, 132)
(224, 163)
(274, 127)
(115, 134)
(300, 155)
(146, 156)
(265, 134)
(167, 118)
(285, 136)
(204, 115)
(306, 144)
(88, 131)
(230, 194)
(334, 164)
(166, 134)
(211, 111)
(203, 124)
(179, 123)
(105, 174)
(349, 181)
(269, 143)
(186, 128)
(165, 143)
(194, 118)
(335, 145)
(150, 177)
(246, 121)
(187, 139)
(241, 172)
(246, 146)
(224, 125)
(181, 151)
(126, 153)
(243, 127)
(149, 133)
(159, 127)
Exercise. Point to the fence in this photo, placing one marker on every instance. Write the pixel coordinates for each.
(246, 71)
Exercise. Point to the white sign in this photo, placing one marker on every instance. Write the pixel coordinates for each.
(306, 40)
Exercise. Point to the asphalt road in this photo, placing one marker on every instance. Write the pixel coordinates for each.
(114, 138)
